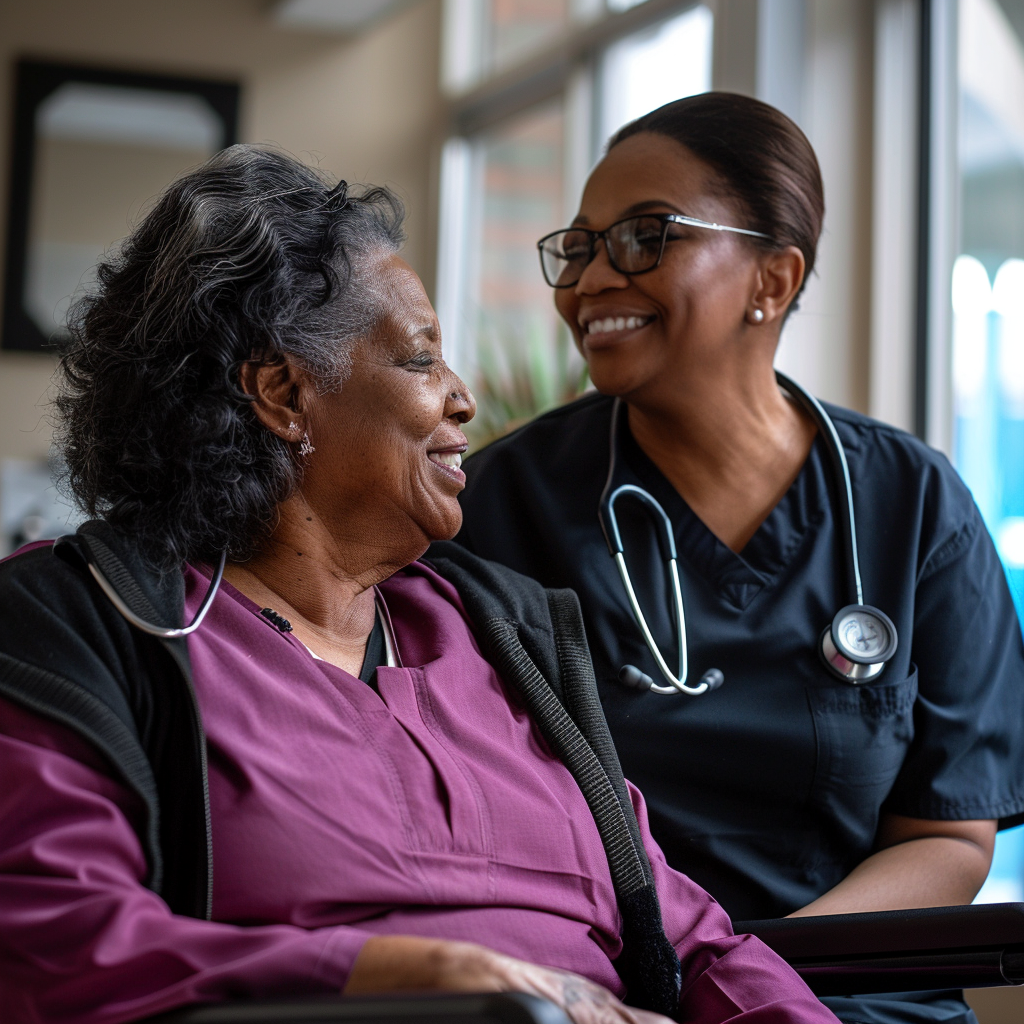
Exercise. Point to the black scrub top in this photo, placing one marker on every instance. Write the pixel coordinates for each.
(768, 791)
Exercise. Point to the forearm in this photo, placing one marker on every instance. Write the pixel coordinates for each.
(931, 871)
(82, 939)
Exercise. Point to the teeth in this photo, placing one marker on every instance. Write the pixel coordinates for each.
(452, 459)
(615, 323)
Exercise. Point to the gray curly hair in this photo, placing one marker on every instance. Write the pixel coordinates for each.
(252, 256)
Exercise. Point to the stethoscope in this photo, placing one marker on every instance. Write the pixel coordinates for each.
(855, 646)
(164, 632)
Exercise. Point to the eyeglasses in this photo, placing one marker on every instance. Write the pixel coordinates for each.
(634, 246)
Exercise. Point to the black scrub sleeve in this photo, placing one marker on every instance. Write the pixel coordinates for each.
(966, 759)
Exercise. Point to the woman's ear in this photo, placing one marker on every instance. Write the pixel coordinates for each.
(778, 281)
(280, 396)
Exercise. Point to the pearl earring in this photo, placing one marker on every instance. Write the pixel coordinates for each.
(757, 316)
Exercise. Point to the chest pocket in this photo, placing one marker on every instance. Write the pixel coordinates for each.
(862, 734)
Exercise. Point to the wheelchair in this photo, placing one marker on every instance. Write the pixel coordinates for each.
(842, 954)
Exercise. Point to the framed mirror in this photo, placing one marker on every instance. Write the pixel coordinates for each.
(90, 148)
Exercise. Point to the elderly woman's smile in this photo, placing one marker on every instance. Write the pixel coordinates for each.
(450, 460)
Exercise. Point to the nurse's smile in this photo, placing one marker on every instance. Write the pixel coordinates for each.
(603, 327)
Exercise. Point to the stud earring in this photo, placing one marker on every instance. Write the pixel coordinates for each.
(305, 446)
(293, 426)
(757, 316)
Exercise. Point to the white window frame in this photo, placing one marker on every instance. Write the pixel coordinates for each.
(938, 221)
(567, 67)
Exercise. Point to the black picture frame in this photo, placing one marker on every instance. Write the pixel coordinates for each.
(34, 81)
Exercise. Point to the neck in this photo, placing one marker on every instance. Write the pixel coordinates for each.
(723, 416)
(729, 442)
(322, 584)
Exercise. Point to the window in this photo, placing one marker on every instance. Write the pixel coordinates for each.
(515, 171)
(663, 63)
(521, 351)
(986, 295)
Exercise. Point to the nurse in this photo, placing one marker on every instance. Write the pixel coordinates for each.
(787, 789)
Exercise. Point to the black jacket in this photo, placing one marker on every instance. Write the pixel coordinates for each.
(66, 653)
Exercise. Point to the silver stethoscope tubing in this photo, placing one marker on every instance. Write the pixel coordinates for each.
(855, 646)
(148, 627)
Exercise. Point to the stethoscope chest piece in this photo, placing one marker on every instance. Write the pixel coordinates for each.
(858, 643)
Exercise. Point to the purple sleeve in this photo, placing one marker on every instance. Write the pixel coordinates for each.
(726, 977)
(82, 941)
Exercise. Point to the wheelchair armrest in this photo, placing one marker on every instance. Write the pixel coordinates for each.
(489, 1008)
(891, 931)
(901, 950)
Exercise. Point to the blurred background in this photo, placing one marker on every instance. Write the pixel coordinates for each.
(486, 116)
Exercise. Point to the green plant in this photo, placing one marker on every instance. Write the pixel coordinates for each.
(521, 374)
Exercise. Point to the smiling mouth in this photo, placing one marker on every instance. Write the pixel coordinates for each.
(609, 324)
(453, 460)
(449, 462)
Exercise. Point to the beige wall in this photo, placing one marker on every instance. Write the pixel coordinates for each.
(366, 109)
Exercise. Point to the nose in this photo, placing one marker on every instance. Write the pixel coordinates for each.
(599, 273)
(460, 405)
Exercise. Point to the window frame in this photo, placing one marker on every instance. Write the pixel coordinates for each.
(569, 68)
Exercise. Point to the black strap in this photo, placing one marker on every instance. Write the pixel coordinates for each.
(648, 963)
(376, 652)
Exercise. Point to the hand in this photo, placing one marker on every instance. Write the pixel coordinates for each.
(397, 963)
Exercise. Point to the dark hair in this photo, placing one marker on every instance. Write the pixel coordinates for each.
(763, 159)
(252, 256)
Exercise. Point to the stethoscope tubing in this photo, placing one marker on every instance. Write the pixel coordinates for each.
(678, 683)
(608, 520)
(841, 474)
(164, 632)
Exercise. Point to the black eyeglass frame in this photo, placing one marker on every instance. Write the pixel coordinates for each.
(665, 218)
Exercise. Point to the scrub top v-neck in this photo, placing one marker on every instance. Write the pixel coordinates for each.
(768, 791)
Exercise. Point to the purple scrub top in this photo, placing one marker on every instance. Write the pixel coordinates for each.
(431, 808)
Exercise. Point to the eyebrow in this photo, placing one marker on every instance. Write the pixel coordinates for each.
(637, 208)
(428, 329)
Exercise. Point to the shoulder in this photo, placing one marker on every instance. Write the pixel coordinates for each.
(58, 629)
(581, 425)
(489, 590)
(552, 464)
(862, 435)
(904, 477)
(38, 580)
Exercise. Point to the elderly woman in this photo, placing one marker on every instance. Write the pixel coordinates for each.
(351, 774)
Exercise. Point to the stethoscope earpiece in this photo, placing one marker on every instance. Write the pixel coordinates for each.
(714, 677)
(630, 676)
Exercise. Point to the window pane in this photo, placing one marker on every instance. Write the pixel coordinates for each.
(660, 64)
(517, 28)
(523, 358)
(988, 278)
(987, 294)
